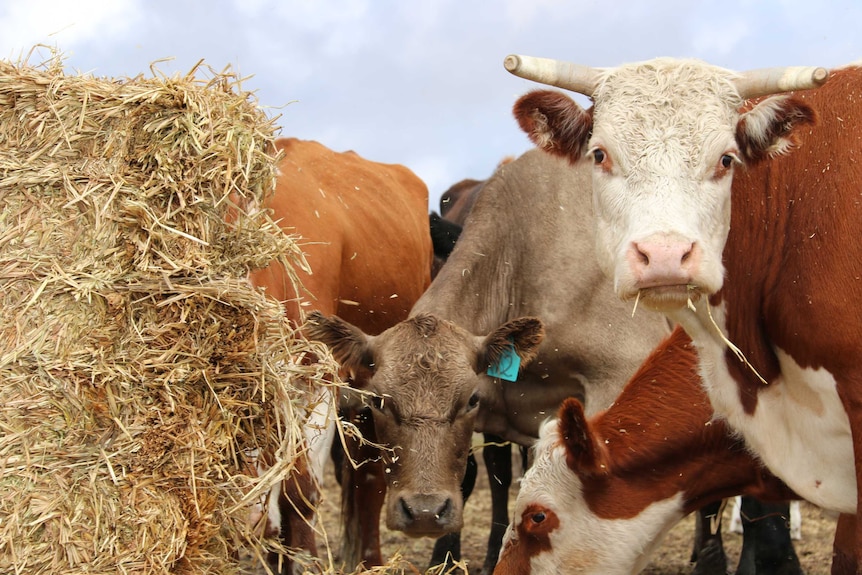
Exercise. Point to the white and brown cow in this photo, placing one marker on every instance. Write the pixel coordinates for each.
(603, 492)
(526, 251)
(765, 278)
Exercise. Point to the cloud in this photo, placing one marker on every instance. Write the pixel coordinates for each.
(63, 23)
(419, 83)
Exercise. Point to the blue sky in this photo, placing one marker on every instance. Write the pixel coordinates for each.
(419, 83)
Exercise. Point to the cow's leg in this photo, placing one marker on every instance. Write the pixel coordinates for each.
(363, 490)
(708, 553)
(298, 494)
(297, 502)
(850, 393)
(498, 462)
(766, 545)
(844, 546)
(447, 548)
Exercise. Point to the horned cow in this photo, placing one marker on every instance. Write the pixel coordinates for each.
(761, 278)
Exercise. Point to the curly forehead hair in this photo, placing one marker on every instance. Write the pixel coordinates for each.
(424, 324)
(433, 353)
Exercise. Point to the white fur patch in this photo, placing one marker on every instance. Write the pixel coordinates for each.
(799, 429)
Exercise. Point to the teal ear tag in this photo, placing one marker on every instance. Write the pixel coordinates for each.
(508, 366)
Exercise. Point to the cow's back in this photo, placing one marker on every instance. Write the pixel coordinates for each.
(364, 231)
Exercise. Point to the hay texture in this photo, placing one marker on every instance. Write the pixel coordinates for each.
(138, 367)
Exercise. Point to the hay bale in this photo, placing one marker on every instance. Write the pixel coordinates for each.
(137, 365)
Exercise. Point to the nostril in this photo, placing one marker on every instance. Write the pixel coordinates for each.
(687, 254)
(643, 257)
(444, 510)
(407, 510)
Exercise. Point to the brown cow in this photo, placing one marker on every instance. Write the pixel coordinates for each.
(764, 278)
(514, 259)
(603, 492)
(365, 237)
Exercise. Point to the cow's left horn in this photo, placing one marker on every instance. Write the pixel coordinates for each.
(767, 81)
(574, 77)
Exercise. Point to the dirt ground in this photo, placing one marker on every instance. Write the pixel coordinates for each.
(814, 549)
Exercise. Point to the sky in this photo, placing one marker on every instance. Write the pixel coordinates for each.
(418, 82)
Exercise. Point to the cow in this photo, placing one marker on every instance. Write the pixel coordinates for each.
(758, 265)
(427, 378)
(603, 492)
(364, 234)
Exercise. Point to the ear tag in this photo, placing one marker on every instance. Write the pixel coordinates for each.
(508, 366)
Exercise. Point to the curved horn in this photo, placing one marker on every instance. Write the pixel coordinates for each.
(768, 81)
(574, 77)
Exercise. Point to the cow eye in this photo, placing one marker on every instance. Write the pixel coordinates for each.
(473, 401)
(376, 402)
(599, 156)
(726, 161)
(537, 517)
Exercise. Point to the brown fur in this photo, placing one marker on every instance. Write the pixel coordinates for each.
(364, 232)
(801, 290)
(659, 438)
(561, 127)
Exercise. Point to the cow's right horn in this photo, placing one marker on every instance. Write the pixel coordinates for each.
(768, 81)
(574, 77)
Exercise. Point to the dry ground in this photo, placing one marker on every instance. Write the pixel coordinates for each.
(814, 549)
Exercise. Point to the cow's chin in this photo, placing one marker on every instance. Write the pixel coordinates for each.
(666, 298)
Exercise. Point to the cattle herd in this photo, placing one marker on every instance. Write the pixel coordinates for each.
(657, 300)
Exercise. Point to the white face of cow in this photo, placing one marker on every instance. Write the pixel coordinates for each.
(664, 137)
(555, 531)
(663, 156)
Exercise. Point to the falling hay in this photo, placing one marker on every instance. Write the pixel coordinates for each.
(137, 365)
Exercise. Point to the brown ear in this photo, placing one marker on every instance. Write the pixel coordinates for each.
(525, 333)
(771, 127)
(584, 455)
(555, 123)
(349, 345)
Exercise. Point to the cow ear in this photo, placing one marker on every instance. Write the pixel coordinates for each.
(771, 127)
(349, 345)
(584, 454)
(555, 123)
(522, 335)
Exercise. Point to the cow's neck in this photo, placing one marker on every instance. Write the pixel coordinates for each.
(789, 414)
(662, 440)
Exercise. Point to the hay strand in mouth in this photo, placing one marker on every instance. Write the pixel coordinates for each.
(637, 300)
(738, 352)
